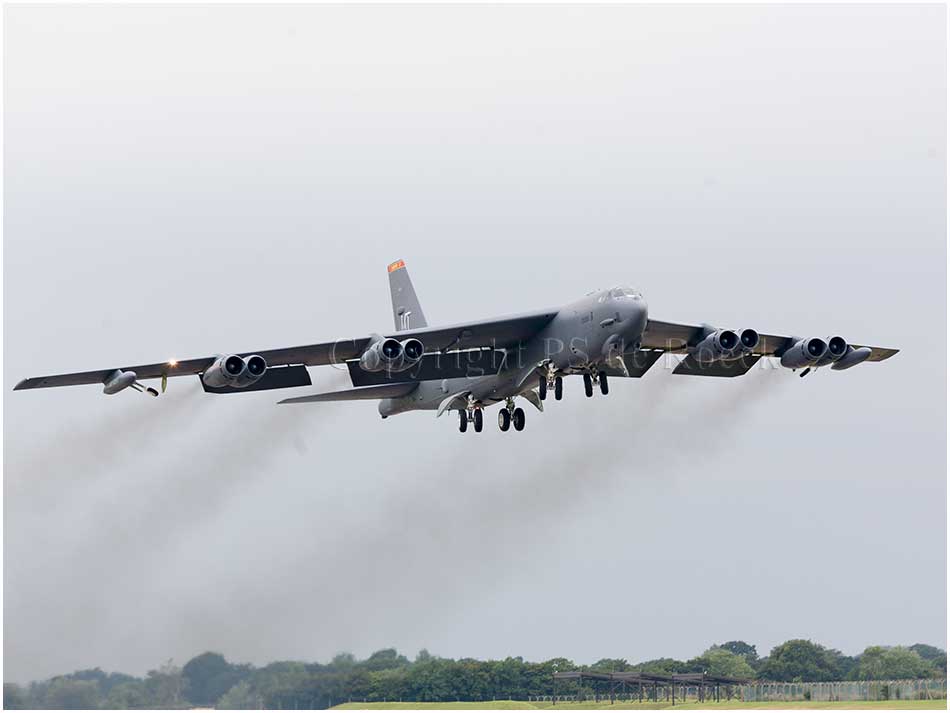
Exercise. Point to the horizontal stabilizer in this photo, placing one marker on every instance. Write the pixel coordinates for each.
(384, 391)
(738, 367)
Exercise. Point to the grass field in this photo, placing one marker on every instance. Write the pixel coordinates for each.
(724, 705)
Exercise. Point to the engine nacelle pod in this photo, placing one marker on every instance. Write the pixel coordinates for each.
(254, 368)
(748, 340)
(413, 350)
(804, 352)
(382, 355)
(837, 348)
(118, 380)
(852, 357)
(719, 345)
(226, 371)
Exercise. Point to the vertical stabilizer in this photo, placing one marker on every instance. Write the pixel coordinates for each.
(407, 313)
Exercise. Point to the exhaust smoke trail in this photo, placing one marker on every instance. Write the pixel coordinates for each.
(81, 452)
(420, 533)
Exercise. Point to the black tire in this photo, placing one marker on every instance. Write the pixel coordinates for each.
(588, 385)
(479, 420)
(517, 418)
(603, 383)
(558, 388)
(543, 387)
(463, 422)
(504, 419)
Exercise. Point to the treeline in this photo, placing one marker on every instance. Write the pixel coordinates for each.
(211, 680)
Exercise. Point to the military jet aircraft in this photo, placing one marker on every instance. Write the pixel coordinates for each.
(470, 366)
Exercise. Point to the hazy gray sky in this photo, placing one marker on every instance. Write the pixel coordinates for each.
(185, 181)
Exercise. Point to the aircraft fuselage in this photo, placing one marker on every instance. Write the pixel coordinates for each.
(582, 336)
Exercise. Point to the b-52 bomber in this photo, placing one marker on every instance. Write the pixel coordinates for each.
(470, 366)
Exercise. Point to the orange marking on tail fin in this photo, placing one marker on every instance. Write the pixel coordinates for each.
(399, 264)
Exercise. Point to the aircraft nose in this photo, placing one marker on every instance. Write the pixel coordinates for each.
(636, 317)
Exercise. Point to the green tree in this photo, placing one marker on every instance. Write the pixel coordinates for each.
(130, 694)
(740, 648)
(239, 697)
(608, 665)
(387, 658)
(165, 686)
(720, 662)
(343, 661)
(803, 660)
(665, 666)
(880, 663)
(66, 694)
(934, 656)
(14, 697)
(208, 677)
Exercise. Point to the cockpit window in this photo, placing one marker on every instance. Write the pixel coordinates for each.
(623, 292)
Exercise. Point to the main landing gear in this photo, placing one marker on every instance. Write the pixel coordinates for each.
(509, 415)
(601, 378)
(550, 379)
(472, 413)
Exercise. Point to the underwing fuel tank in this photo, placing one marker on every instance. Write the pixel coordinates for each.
(117, 381)
(852, 357)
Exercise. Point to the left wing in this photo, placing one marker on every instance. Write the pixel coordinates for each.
(498, 333)
(674, 337)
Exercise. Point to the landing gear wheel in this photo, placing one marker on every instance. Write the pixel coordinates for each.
(603, 382)
(518, 419)
(543, 387)
(558, 388)
(478, 419)
(504, 419)
(588, 385)
(463, 422)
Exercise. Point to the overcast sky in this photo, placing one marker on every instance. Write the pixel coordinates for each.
(187, 181)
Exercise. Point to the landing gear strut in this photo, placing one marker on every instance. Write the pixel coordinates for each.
(547, 380)
(600, 378)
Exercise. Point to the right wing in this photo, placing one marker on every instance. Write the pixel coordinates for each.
(501, 333)
(674, 337)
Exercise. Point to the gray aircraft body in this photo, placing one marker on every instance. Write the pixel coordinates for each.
(470, 366)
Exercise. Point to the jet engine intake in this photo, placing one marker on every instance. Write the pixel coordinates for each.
(719, 345)
(228, 371)
(748, 339)
(413, 350)
(804, 352)
(384, 355)
(837, 348)
(255, 366)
